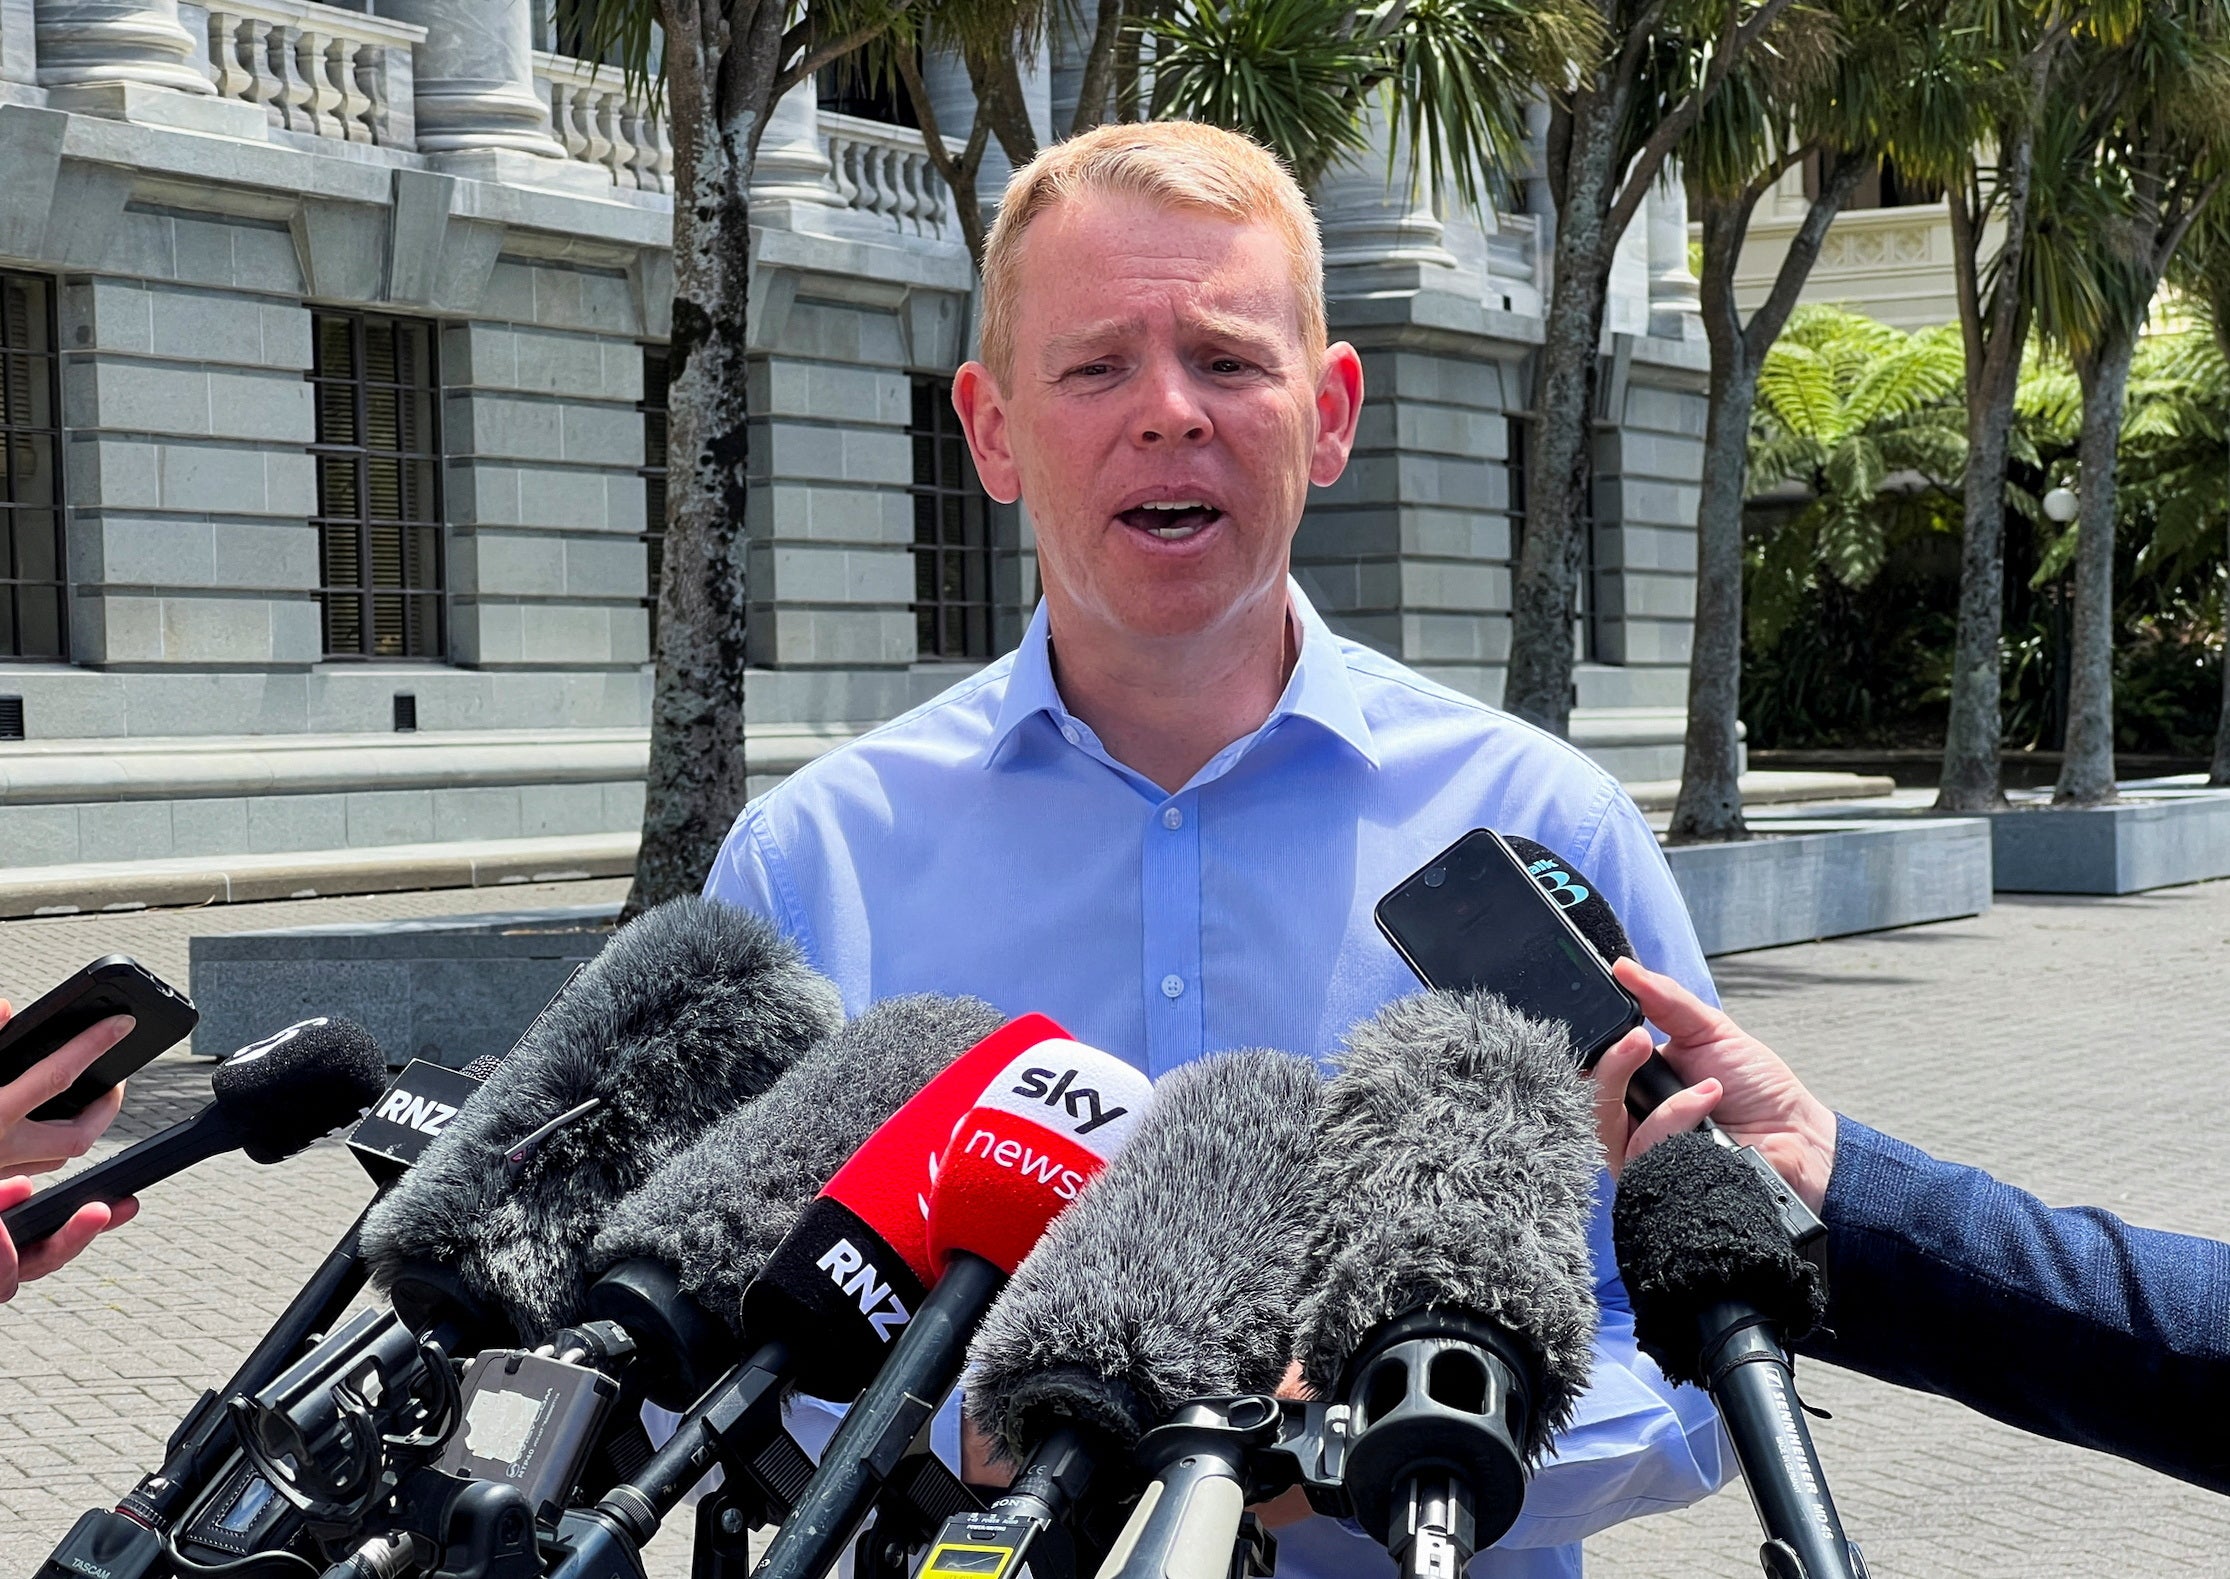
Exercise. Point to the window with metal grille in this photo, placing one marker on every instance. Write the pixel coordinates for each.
(653, 472)
(954, 598)
(379, 519)
(1586, 601)
(34, 619)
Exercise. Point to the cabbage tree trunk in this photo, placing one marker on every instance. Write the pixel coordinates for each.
(722, 71)
(2087, 769)
(1710, 803)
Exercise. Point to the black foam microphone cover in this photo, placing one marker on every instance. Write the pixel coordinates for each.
(297, 1085)
(1695, 1228)
(691, 1008)
(1582, 905)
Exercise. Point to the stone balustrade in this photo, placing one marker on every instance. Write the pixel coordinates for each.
(316, 69)
(885, 171)
(1514, 247)
(600, 123)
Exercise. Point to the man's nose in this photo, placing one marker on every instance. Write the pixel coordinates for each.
(1170, 410)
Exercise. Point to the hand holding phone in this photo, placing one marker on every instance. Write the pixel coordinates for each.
(29, 1145)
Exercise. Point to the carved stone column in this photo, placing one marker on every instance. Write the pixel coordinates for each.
(1379, 235)
(792, 166)
(131, 59)
(1674, 295)
(480, 111)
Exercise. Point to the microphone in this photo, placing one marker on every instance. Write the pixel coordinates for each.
(1048, 1124)
(1723, 1264)
(1172, 1278)
(674, 1260)
(1450, 1298)
(831, 1297)
(270, 1099)
(691, 1008)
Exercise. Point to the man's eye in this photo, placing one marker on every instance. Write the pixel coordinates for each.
(1226, 364)
(1092, 370)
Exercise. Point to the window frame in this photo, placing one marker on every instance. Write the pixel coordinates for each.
(360, 383)
(11, 584)
(945, 436)
(654, 521)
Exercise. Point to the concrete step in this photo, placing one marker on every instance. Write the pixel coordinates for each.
(70, 889)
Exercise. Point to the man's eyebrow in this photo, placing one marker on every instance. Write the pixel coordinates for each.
(1235, 327)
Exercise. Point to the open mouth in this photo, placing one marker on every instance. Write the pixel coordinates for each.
(1172, 520)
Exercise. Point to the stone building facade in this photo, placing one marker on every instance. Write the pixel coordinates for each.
(333, 411)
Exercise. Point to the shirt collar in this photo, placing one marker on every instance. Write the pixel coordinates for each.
(1320, 688)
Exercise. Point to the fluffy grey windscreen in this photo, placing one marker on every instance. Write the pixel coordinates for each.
(1459, 1163)
(1174, 1273)
(690, 1009)
(715, 1212)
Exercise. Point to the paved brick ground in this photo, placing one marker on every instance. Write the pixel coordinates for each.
(2071, 1046)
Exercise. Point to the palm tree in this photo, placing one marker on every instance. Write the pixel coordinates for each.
(721, 65)
(2202, 269)
(1848, 408)
(1804, 95)
(2147, 135)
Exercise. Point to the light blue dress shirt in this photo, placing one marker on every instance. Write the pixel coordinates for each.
(986, 843)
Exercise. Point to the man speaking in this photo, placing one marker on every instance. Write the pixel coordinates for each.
(1166, 817)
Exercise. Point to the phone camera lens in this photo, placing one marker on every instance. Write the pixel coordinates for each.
(1435, 877)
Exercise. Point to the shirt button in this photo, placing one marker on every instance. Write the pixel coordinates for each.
(1173, 986)
(1069, 733)
(1171, 817)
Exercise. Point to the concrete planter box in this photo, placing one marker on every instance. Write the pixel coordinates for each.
(447, 989)
(1804, 879)
(2154, 838)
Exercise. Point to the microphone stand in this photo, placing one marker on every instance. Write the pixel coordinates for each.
(128, 1541)
(1748, 1372)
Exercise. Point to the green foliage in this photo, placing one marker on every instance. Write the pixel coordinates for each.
(1854, 639)
(1848, 410)
(1456, 76)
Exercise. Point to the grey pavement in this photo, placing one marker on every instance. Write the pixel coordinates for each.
(2072, 1046)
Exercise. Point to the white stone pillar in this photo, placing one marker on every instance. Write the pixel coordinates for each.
(114, 57)
(1379, 234)
(480, 111)
(792, 166)
(1675, 299)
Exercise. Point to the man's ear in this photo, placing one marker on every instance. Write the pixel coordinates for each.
(1339, 406)
(983, 417)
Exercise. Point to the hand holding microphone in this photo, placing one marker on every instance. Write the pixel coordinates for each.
(1732, 1078)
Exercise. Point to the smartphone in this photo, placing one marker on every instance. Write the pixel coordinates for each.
(113, 984)
(1473, 917)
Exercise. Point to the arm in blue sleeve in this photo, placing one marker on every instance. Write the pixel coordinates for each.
(2062, 1321)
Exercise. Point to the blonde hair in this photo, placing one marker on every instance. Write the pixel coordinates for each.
(1180, 164)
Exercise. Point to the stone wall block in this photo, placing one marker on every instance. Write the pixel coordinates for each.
(507, 564)
(341, 249)
(1662, 410)
(626, 504)
(566, 633)
(141, 397)
(417, 230)
(390, 817)
(1469, 586)
(264, 258)
(217, 825)
(213, 629)
(38, 835)
(297, 822)
(112, 472)
(240, 331)
(605, 567)
(290, 483)
(552, 810)
(109, 315)
(272, 406)
(264, 554)
(505, 425)
(481, 632)
(124, 831)
(123, 550)
(567, 364)
(602, 435)
(478, 813)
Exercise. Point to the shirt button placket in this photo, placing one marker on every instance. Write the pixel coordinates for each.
(1170, 889)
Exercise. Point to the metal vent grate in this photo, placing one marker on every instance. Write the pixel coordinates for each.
(406, 713)
(11, 718)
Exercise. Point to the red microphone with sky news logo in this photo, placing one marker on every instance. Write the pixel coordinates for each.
(1036, 1136)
